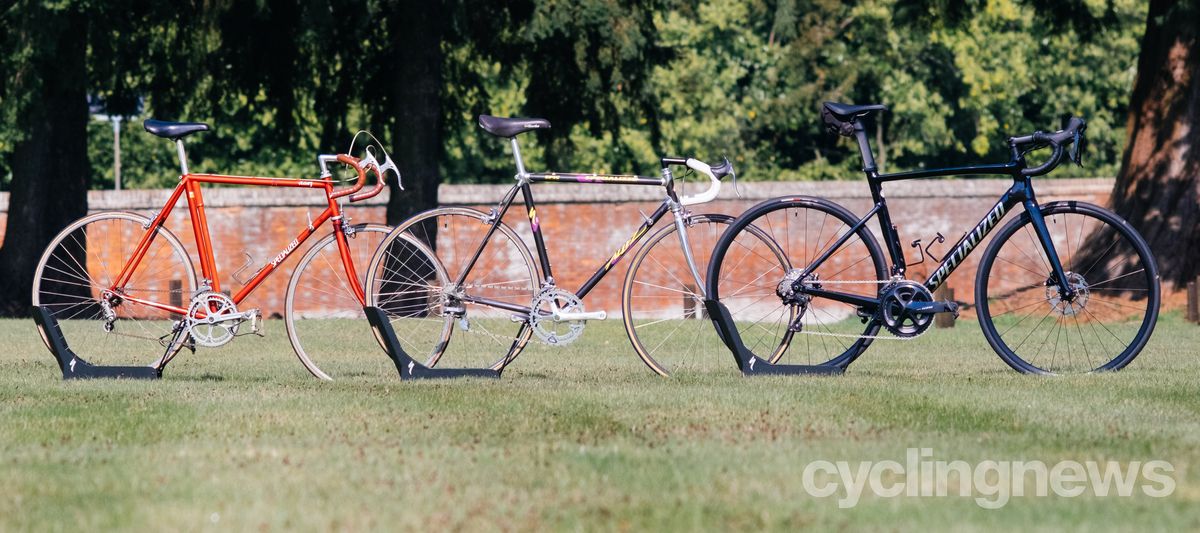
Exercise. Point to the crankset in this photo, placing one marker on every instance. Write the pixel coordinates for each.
(558, 317)
(213, 319)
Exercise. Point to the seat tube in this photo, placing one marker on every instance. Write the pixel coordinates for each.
(208, 263)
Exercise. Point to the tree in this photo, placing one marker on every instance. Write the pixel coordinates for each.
(1158, 187)
(48, 93)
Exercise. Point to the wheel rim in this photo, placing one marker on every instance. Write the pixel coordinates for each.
(765, 254)
(1102, 326)
(663, 307)
(436, 321)
(324, 318)
(80, 265)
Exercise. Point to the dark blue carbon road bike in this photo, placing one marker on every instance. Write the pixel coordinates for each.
(1063, 287)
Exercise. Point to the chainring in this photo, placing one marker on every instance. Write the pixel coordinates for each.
(893, 308)
(220, 322)
(550, 330)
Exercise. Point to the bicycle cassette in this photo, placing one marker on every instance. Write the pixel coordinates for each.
(898, 319)
(547, 317)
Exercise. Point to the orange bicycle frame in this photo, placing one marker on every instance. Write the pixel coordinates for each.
(190, 184)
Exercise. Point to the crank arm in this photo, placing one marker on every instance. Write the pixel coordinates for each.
(594, 315)
(929, 308)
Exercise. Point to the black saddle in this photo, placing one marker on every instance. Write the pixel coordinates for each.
(173, 130)
(840, 118)
(511, 127)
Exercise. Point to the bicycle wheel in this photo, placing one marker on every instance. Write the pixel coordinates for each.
(472, 325)
(324, 317)
(663, 307)
(748, 275)
(1103, 327)
(77, 271)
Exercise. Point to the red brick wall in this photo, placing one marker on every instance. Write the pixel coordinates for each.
(583, 224)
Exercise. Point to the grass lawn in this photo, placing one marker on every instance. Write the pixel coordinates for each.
(582, 437)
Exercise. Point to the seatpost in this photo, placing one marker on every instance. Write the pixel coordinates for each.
(182, 156)
(521, 174)
(864, 146)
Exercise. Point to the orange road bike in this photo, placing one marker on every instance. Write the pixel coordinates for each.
(122, 290)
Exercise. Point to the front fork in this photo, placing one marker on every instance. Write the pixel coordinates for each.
(681, 228)
(1043, 233)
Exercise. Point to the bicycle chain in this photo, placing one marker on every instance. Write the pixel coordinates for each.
(849, 336)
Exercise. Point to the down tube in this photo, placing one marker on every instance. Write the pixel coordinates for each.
(968, 242)
(616, 257)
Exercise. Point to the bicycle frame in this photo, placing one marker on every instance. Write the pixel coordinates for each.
(190, 184)
(524, 179)
(1021, 192)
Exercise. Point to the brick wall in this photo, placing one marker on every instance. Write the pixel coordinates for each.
(583, 224)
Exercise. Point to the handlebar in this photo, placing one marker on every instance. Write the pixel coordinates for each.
(361, 166)
(715, 175)
(1071, 134)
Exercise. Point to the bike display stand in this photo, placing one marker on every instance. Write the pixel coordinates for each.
(405, 364)
(75, 367)
(748, 363)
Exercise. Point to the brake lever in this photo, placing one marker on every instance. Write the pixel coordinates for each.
(388, 164)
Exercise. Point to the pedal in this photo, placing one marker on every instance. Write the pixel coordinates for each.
(594, 315)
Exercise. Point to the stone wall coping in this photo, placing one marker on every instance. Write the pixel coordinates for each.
(465, 194)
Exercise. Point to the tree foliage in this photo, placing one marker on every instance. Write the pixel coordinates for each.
(622, 81)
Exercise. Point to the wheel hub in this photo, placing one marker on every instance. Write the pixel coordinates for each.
(1068, 305)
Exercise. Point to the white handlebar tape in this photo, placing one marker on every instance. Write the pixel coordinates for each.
(713, 188)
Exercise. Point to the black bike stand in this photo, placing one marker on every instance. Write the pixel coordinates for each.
(73, 366)
(748, 363)
(408, 367)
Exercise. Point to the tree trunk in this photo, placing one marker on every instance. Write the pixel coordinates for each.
(1158, 187)
(50, 169)
(414, 92)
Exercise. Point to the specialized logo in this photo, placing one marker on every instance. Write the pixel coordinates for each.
(533, 219)
(410, 367)
(625, 248)
(285, 253)
(968, 243)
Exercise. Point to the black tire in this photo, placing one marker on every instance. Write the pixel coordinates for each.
(747, 251)
(1111, 319)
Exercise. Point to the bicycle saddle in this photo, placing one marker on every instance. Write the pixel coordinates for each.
(849, 112)
(511, 127)
(173, 130)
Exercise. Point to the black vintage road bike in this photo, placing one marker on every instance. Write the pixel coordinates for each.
(1063, 287)
(486, 297)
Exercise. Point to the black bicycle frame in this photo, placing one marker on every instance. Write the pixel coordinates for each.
(1021, 192)
(539, 242)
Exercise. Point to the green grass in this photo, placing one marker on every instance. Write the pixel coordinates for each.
(582, 437)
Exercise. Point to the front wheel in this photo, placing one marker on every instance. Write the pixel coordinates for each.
(663, 306)
(324, 314)
(1107, 320)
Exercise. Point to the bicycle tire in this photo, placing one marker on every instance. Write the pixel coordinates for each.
(826, 320)
(78, 257)
(1035, 292)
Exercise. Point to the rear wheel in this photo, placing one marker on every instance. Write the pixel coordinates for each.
(107, 325)
(766, 250)
(1103, 326)
(472, 325)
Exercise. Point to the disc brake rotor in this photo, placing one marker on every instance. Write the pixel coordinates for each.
(1075, 305)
